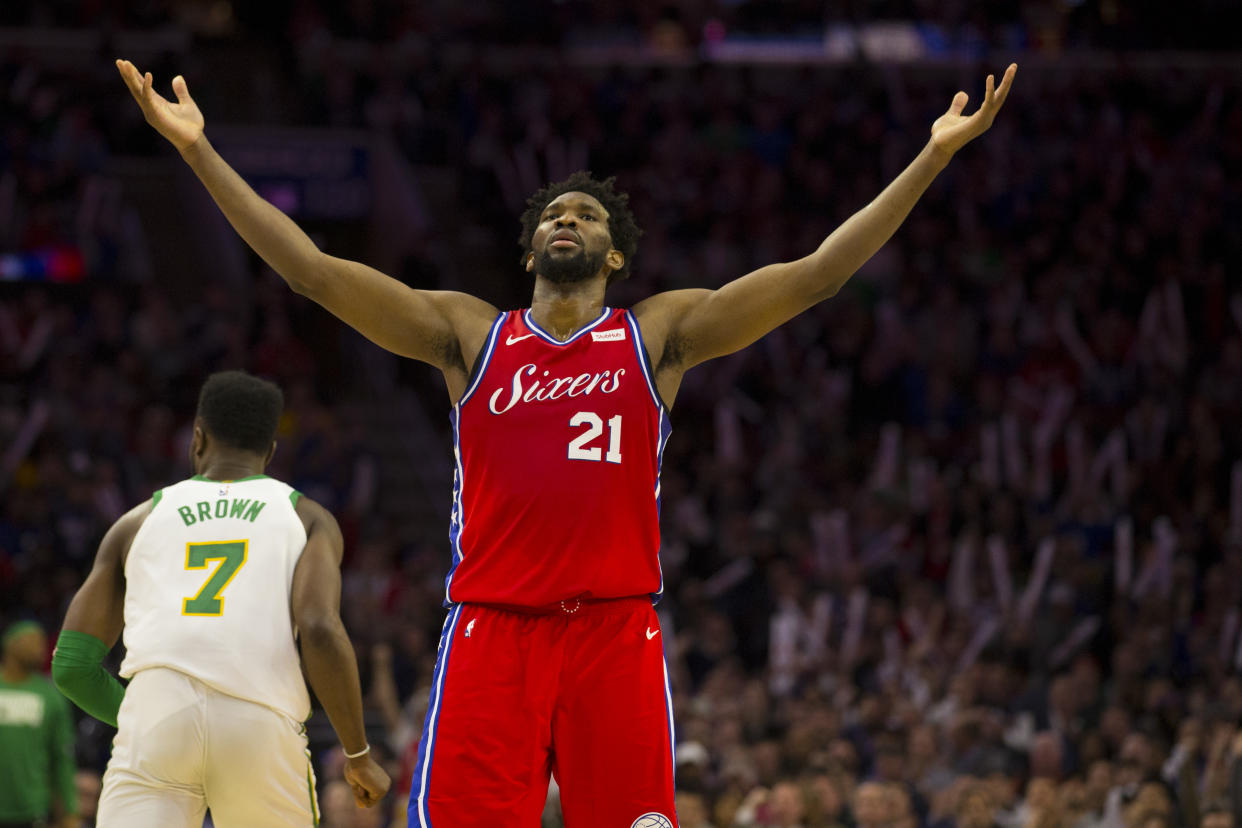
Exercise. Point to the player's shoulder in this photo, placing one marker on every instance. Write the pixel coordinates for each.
(116, 543)
(314, 514)
(281, 486)
(130, 522)
(660, 314)
(669, 302)
(464, 307)
(281, 492)
(304, 505)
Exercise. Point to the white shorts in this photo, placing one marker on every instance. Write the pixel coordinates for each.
(182, 747)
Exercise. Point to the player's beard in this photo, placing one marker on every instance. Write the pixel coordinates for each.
(564, 270)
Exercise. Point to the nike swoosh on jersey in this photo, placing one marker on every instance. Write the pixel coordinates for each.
(512, 339)
(650, 634)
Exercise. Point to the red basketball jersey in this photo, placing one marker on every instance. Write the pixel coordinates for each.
(557, 486)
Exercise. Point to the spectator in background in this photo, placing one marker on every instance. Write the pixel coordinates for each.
(88, 784)
(873, 805)
(36, 736)
(692, 811)
(975, 808)
(1217, 815)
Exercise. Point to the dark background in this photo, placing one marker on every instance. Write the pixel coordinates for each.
(1047, 355)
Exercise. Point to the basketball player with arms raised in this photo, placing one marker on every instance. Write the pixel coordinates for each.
(551, 659)
(213, 579)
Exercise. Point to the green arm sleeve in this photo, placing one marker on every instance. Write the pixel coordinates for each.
(77, 669)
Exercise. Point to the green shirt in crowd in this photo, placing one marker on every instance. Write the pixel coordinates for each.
(36, 751)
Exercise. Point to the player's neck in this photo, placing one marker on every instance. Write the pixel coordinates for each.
(230, 468)
(562, 310)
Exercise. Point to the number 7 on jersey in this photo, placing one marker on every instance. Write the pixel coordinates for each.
(231, 555)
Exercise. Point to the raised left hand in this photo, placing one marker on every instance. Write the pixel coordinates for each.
(953, 130)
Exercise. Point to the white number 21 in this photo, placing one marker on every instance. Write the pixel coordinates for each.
(595, 427)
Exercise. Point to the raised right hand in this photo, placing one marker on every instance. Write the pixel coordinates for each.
(181, 122)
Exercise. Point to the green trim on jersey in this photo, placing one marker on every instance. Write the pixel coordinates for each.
(294, 497)
(310, 789)
(155, 498)
(201, 479)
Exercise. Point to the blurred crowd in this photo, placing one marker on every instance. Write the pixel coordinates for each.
(61, 213)
(1049, 25)
(961, 546)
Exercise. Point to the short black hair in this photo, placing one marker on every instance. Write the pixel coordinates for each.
(241, 410)
(621, 224)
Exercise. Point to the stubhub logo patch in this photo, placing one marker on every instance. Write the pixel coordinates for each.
(614, 335)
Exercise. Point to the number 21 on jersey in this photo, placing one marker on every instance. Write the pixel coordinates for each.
(578, 449)
(231, 556)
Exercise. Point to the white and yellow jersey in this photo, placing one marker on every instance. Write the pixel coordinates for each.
(208, 583)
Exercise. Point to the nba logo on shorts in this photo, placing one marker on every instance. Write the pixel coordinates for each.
(470, 627)
(652, 820)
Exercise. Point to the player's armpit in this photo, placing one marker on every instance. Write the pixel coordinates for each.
(693, 326)
(741, 312)
(660, 319)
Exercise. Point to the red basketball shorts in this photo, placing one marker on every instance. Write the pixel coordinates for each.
(517, 696)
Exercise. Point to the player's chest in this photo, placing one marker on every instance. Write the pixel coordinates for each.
(541, 380)
(589, 404)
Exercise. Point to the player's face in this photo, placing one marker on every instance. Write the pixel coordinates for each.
(572, 242)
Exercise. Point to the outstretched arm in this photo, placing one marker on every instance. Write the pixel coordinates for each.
(327, 653)
(93, 624)
(702, 324)
(443, 328)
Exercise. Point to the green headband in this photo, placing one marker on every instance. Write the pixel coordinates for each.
(19, 628)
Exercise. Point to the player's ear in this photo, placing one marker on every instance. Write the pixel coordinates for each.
(530, 262)
(270, 454)
(198, 444)
(615, 259)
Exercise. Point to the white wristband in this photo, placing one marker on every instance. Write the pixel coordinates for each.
(362, 752)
